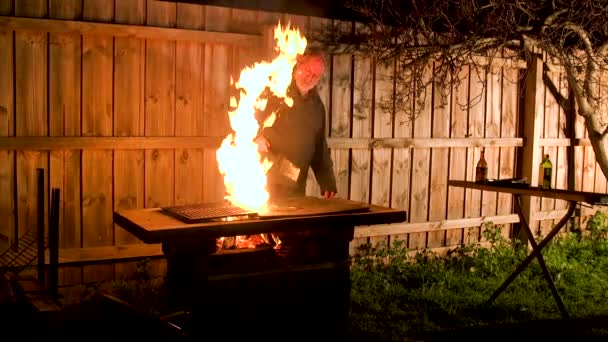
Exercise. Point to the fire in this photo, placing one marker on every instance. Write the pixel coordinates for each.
(238, 158)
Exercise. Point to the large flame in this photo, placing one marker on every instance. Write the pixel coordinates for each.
(238, 158)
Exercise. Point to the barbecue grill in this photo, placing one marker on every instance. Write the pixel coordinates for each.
(296, 290)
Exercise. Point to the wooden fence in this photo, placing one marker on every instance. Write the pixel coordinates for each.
(124, 103)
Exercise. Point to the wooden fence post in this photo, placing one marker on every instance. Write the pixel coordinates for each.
(532, 128)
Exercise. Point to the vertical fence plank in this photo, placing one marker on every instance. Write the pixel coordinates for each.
(362, 128)
(30, 8)
(587, 166)
(31, 63)
(97, 117)
(64, 115)
(439, 162)
(382, 128)
(340, 112)
(579, 133)
(128, 167)
(7, 128)
(419, 194)
(160, 107)
(534, 98)
(324, 89)
(244, 21)
(216, 87)
(6, 7)
(458, 155)
(65, 9)
(300, 22)
(492, 130)
(600, 178)
(561, 169)
(476, 130)
(189, 106)
(588, 179)
(402, 163)
(508, 129)
(550, 131)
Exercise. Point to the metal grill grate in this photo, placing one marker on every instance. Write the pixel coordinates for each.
(211, 211)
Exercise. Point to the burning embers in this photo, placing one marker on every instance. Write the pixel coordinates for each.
(238, 158)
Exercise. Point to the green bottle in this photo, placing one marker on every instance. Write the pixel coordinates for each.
(544, 176)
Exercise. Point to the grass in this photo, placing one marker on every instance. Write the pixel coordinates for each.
(395, 295)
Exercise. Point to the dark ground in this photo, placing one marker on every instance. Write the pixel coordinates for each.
(101, 319)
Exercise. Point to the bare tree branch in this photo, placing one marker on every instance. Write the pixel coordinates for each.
(450, 35)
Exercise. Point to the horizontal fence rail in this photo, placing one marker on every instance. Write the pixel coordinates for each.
(129, 31)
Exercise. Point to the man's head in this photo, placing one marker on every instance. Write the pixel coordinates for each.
(308, 71)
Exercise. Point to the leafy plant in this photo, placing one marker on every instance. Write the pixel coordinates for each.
(398, 294)
(598, 226)
(141, 289)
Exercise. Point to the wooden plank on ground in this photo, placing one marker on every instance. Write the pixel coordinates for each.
(64, 120)
(439, 162)
(97, 118)
(508, 128)
(458, 155)
(31, 119)
(216, 89)
(421, 158)
(383, 117)
(189, 65)
(362, 127)
(7, 128)
(120, 253)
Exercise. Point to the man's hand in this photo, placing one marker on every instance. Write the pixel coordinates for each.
(263, 144)
(329, 194)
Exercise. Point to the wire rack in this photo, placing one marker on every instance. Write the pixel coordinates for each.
(211, 211)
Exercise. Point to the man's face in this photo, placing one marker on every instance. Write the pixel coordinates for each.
(308, 72)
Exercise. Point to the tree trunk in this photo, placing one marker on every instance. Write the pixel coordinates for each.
(598, 140)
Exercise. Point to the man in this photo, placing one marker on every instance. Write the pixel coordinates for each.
(297, 139)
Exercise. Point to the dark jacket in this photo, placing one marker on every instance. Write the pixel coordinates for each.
(298, 134)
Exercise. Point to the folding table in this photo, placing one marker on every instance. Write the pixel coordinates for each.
(518, 190)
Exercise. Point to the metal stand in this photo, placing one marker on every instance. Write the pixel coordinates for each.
(40, 239)
(53, 278)
(536, 253)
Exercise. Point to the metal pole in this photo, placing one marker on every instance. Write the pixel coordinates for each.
(54, 244)
(40, 225)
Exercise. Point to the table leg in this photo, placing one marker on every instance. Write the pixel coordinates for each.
(187, 270)
(536, 253)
